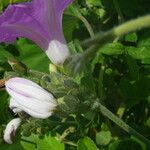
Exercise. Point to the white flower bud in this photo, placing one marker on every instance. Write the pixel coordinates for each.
(10, 130)
(57, 52)
(29, 97)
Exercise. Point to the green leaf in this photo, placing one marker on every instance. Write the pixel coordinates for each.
(14, 146)
(49, 143)
(103, 138)
(32, 55)
(145, 41)
(69, 25)
(130, 8)
(141, 53)
(28, 146)
(127, 144)
(112, 49)
(29, 143)
(86, 144)
(3, 107)
(4, 54)
(133, 68)
(94, 2)
(132, 37)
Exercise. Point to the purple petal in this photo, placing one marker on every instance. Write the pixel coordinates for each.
(39, 21)
(15, 22)
(50, 13)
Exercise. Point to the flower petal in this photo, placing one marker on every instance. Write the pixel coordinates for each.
(29, 89)
(29, 97)
(32, 103)
(39, 21)
(58, 52)
(11, 129)
(14, 106)
(15, 22)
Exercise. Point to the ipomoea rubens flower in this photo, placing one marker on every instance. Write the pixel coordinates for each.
(39, 21)
(10, 130)
(29, 97)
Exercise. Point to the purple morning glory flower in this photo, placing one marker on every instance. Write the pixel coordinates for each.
(39, 21)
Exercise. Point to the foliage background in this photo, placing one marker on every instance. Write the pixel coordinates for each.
(119, 76)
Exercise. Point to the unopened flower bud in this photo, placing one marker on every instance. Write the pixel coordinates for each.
(10, 130)
(29, 97)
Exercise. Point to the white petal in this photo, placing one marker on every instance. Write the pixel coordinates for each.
(18, 108)
(20, 80)
(57, 52)
(29, 89)
(29, 97)
(33, 103)
(14, 106)
(11, 129)
(13, 103)
(30, 105)
(37, 114)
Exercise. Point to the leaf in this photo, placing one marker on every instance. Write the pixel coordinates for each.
(94, 2)
(4, 54)
(86, 144)
(103, 138)
(133, 68)
(29, 143)
(130, 8)
(32, 55)
(3, 107)
(127, 144)
(49, 143)
(132, 37)
(14, 146)
(69, 25)
(112, 49)
(145, 40)
(141, 53)
(134, 92)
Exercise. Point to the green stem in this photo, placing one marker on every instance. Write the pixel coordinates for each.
(130, 26)
(66, 133)
(35, 73)
(101, 39)
(120, 15)
(70, 143)
(87, 25)
(100, 85)
(122, 124)
(90, 51)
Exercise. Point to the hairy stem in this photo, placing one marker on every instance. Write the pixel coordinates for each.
(120, 15)
(130, 26)
(122, 124)
(87, 25)
(100, 82)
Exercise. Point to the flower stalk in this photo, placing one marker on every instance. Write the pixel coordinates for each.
(125, 28)
(77, 62)
(107, 113)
